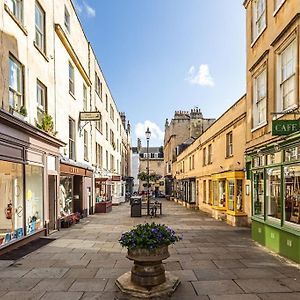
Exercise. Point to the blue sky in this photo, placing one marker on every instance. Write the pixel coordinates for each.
(159, 56)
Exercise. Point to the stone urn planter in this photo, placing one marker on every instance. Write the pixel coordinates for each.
(148, 270)
(147, 246)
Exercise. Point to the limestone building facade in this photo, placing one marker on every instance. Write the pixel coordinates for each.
(53, 163)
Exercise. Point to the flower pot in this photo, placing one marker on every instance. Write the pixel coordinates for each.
(148, 270)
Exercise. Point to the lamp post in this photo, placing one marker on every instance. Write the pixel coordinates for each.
(148, 135)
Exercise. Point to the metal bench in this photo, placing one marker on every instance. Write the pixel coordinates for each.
(154, 207)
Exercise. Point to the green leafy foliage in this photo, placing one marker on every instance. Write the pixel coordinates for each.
(152, 177)
(149, 236)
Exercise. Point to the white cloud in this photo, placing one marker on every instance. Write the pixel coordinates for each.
(157, 135)
(78, 7)
(202, 77)
(90, 11)
(84, 8)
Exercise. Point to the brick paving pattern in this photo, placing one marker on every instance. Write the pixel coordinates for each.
(214, 261)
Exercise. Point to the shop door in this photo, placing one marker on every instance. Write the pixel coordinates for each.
(52, 196)
(77, 194)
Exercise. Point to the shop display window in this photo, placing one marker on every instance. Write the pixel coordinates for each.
(210, 192)
(11, 203)
(231, 195)
(292, 194)
(66, 195)
(292, 154)
(222, 193)
(274, 158)
(258, 193)
(215, 193)
(34, 198)
(239, 195)
(273, 185)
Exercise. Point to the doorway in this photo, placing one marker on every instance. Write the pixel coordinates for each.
(52, 196)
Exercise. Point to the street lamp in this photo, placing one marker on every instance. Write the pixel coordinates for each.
(148, 135)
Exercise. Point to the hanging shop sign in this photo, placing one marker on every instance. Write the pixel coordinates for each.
(285, 127)
(90, 116)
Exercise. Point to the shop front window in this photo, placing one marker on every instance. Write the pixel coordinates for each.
(66, 195)
(34, 198)
(292, 194)
(11, 203)
(239, 195)
(231, 195)
(273, 183)
(258, 193)
(215, 193)
(292, 154)
(222, 197)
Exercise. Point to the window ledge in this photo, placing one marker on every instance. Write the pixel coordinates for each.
(288, 110)
(40, 51)
(256, 39)
(73, 96)
(278, 8)
(20, 25)
(259, 126)
(229, 156)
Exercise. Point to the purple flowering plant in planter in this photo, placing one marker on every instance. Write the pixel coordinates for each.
(149, 236)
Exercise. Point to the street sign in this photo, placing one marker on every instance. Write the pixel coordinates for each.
(90, 116)
(285, 127)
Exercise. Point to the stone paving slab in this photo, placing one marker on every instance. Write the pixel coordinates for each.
(262, 286)
(280, 296)
(217, 274)
(22, 295)
(235, 297)
(214, 261)
(46, 273)
(18, 284)
(81, 273)
(57, 285)
(217, 287)
(254, 273)
(89, 285)
(62, 295)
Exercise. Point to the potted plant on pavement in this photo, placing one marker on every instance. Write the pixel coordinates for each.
(147, 246)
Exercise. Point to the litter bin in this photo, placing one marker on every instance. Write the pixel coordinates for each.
(136, 206)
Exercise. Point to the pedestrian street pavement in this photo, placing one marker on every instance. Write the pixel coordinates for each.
(213, 261)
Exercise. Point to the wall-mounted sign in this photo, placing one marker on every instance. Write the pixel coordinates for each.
(285, 127)
(90, 116)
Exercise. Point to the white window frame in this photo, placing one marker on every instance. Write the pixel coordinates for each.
(67, 19)
(287, 79)
(16, 8)
(86, 145)
(259, 102)
(229, 144)
(16, 90)
(71, 79)
(277, 5)
(72, 139)
(258, 17)
(41, 96)
(84, 96)
(40, 31)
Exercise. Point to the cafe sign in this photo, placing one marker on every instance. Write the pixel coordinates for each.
(285, 127)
